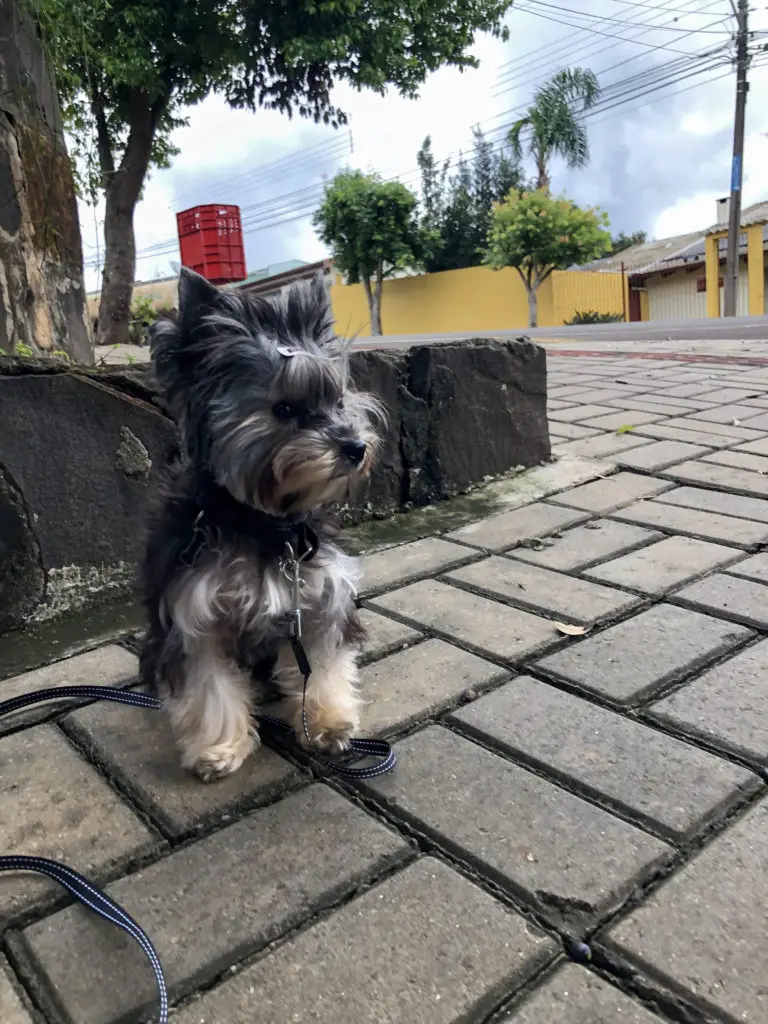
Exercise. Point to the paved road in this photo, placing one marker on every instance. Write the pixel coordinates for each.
(731, 329)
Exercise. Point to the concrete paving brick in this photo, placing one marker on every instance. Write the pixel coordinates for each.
(384, 635)
(704, 525)
(650, 404)
(394, 566)
(106, 666)
(704, 929)
(578, 413)
(659, 455)
(631, 417)
(686, 390)
(601, 445)
(663, 781)
(610, 492)
(211, 903)
(726, 704)
(12, 1009)
(485, 626)
(681, 404)
(573, 995)
(692, 422)
(739, 460)
(555, 850)
(727, 394)
(757, 422)
(630, 661)
(136, 747)
(557, 403)
(570, 431)
(508, 529)
(753, 568)
(738, 506)
(585, 545)
(742, 481)
(56, 805)
(736, 415)
(425, 946)
(659, 567)
(600, 395)
(731, 597)
(541, 590)
(421, 681)
(754, 447)
(664, 432)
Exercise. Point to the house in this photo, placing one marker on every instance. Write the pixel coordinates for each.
(667, 279)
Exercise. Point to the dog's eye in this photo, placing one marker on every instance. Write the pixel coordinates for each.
(284, 411)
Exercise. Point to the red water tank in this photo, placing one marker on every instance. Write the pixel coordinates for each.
(211, 242)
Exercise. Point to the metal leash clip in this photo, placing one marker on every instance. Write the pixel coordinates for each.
(290, 567)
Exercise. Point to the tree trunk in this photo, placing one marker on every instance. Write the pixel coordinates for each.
(119, 270)
(42, 294)
(122, 188)
(373, 295)
(532, 307)
(542, 173)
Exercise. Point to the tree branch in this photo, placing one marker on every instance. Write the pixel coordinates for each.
(103, 145)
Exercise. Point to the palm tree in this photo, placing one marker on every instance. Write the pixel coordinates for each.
(553, 122)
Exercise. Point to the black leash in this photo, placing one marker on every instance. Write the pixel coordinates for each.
(95, 898)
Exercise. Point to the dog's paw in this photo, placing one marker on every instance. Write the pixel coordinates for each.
(329, 735)
(220, 761)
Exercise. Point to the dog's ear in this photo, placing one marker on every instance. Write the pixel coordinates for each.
(197, 297)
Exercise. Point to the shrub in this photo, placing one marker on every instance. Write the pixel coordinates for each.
(591, 316)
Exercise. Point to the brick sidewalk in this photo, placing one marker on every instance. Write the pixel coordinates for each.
(551, 790)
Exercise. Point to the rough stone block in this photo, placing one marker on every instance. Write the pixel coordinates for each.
(741, 481)
(480, 624)
(136, 747)
(661, 780)
(421, 681)
(383, 569)
(753, 568)
(652, 457)
(210, 904)
(611, 492)
(659, 567)
(384, 635)
(630, 661)
(731, 597)
(704, 929)
(509, 529)
(561, 854)
(574, 995)
(426, 945)
(541, 590)
(725, 705)
(12, 1009)
(55, 805)
(704, 525)
(588, 544)
(106, 666)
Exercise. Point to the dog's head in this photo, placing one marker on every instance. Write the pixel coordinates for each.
(260, 391)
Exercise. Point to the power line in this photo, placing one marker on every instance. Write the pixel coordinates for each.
(619, 21)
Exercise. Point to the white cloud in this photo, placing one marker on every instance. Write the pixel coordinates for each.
(658, 162)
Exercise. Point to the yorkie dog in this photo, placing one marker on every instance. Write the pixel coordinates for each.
(244, 543)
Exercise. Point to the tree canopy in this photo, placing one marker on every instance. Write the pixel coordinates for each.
(537, 234)
(372, 229)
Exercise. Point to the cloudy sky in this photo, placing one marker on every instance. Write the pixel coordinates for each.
(660, 141)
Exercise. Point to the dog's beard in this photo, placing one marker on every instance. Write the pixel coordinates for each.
(307, 475)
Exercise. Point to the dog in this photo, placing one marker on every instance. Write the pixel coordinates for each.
(243, 544)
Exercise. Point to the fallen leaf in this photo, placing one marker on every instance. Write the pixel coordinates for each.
(569, 629)
(626, 428)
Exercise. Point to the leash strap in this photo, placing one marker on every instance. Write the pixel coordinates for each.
(97, 901)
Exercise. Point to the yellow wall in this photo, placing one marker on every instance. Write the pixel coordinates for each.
(163, 294)
(474, 299)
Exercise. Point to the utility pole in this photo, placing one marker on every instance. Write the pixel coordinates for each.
(734, 217)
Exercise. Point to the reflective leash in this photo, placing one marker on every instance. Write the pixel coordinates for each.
(95, 898)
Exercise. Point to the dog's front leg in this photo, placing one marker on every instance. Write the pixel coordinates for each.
(211, 711)
(332, 699)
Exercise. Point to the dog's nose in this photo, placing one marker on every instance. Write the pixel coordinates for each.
(354, 450)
